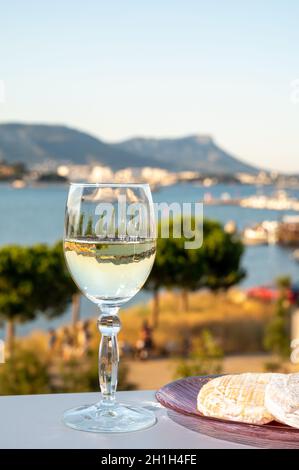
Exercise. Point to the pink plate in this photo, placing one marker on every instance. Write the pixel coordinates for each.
(181, 397)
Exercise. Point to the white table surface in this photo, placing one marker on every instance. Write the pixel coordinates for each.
(34, 422)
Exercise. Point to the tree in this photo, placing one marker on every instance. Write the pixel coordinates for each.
(170, 259)
(81, 224)
(33, 280)
(216, 264)
(67, 289)
(89, 227)
(277, 335)
(16, 288)
(222, 253)
(185, 267)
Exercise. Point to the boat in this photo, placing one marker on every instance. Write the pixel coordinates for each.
(265, 233)
(255, 236)
(270, 293)
(296, 255)
(289, 230)
(18, 184)
(280, 201)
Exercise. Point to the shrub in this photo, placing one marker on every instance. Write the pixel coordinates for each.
(24, 373)
(79, 375)
(206, 360)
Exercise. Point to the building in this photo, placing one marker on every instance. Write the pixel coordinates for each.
(90, 173)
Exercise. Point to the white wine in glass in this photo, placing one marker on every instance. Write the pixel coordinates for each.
(110, 270)
(110, 247)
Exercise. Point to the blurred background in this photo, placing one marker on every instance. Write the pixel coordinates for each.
(200, 100)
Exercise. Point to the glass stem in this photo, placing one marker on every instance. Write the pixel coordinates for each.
(109, 326)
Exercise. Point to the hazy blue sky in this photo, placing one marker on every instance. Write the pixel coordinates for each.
(120, 68)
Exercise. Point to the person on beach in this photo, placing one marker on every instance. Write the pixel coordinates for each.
(52, 342)
(144, 345)
(67, 344)
(84, 338)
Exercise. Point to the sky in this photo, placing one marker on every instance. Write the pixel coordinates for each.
(158, 68)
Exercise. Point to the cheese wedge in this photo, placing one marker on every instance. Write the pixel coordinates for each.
(239, 397)
(282, 399)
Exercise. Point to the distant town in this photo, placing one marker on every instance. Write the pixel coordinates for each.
(18, 175)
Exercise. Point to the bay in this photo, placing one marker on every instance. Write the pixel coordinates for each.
(36, 214)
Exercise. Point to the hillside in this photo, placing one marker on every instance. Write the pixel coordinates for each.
(195, 153)
(37, 144)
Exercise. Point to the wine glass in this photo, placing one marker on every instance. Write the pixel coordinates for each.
(110, 247)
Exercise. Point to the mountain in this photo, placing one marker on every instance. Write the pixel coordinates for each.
(194, 153)
(36, 144)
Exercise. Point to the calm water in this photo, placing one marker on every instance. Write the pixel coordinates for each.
(33, 215)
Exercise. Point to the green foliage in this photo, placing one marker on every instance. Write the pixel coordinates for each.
(277, 334)
(24, 373)
(283, 282)
(30, 372)
(81, 222)
(33, 280)
(83, 376)
(89, 227)
(272, 366)
(59, 285)
(198, 367)
(277, 337)
(216, 264)
(207, 346)
(206, 359)
(17, 283)
(222, 254)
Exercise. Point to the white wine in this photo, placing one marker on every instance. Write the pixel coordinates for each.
(110, 271)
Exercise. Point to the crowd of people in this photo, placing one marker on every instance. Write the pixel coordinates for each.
(144, 345)
(75, 342)
(70, 342)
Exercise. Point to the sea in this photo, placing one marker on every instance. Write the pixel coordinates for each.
(36, 214)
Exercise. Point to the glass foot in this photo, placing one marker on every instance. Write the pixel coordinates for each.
(120, 417)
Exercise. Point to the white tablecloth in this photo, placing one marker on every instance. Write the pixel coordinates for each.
(34, 422)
